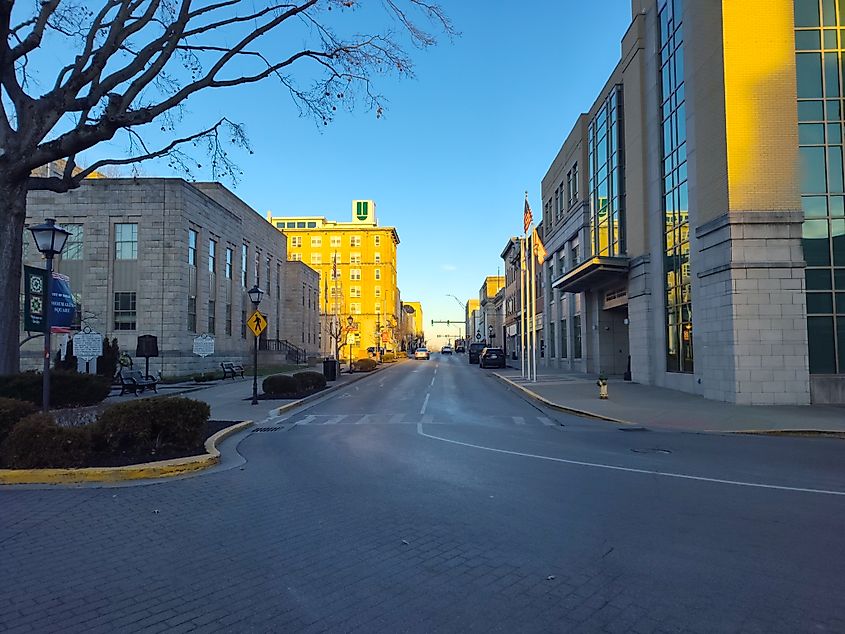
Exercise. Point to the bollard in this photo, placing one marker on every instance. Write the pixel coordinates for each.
(602, 383)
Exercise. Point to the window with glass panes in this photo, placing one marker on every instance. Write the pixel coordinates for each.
(819, 46)
(678, 287)
(607, 218)
(73, 247)
(126, 241)
(243, 265)
(124, 310)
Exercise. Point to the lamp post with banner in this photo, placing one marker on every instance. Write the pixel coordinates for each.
(50, 239)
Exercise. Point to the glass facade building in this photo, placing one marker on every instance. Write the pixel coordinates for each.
(675, 200)
(819, 44)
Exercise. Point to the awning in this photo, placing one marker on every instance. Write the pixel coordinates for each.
(595, 273)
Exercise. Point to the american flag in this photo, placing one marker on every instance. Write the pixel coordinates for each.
(527, 216)
(539, 249)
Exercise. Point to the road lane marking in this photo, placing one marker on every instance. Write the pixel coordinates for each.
(305, 420)
(363, 419)
(334, 420)
(545, 421)
(425, 403)
(665, 474)
(432, 382)
(518, 420)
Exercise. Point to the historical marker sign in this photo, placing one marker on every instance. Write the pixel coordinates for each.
(88, 346)
(204, 345)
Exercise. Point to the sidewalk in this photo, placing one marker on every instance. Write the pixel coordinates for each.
(632, 403)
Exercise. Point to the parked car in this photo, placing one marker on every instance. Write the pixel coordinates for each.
(492, 358)
(422, 353)
(446, 350)
(475, 350)
(460, 348)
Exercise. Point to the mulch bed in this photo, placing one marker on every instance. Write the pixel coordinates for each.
(286, 397)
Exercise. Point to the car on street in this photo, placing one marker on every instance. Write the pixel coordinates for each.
(446, 350)
(421, 353)
(491, 358)
(475, 350)
(460, 348)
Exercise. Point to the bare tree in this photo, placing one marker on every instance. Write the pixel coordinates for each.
(133, 63)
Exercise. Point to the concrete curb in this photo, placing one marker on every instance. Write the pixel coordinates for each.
(329, 390)
(144, 471)
(564, 408)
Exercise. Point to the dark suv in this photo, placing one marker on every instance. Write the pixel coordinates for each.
(475, 350)
(492, 358)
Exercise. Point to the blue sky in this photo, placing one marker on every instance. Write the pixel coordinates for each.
(459, 144)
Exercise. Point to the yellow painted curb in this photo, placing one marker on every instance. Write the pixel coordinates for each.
(564, 408)
(147, 470)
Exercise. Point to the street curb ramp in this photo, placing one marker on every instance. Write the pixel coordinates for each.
(143, 471)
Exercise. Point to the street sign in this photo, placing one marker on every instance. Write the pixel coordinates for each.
(88, 346)
(385, 337)
(257, 323)
(204, 345)
(350, 338)
(478, 336)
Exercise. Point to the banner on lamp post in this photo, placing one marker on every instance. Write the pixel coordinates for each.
(62, 304)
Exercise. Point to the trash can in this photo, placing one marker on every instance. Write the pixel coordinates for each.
(330, 369)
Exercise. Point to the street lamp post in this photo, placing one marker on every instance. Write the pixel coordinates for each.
(490, 335)
(50, 240)
(255, 295)
(349, 322)
(378, 337)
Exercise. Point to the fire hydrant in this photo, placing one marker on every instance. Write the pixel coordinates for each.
(602, 383)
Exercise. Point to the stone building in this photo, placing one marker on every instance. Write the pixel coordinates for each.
(695, 215)
(174, 259)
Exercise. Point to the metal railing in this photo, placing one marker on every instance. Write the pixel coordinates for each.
(292, 353)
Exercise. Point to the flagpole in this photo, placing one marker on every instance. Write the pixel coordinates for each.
(533, 307)
(522, 308)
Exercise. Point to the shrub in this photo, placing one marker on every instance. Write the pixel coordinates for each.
(309, 381)
(364, 365)
(11, 411)
(279, 384)
(36, 442)
(388, 357)
(69, 362)
(67, 389)
(149, 424)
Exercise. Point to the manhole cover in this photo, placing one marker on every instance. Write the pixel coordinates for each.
(651, 450)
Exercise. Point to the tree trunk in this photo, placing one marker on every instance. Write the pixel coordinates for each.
(13, 198)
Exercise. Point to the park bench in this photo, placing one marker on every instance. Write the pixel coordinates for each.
(231, 369)
(133, 381)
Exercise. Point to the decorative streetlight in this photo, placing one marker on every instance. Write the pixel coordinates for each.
(349, 322)
(50, 239)
(490, 335)
(255, 295)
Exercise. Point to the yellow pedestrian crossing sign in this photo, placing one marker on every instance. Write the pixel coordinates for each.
(257, 323)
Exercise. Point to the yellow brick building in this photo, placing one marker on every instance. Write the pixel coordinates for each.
(357, 265)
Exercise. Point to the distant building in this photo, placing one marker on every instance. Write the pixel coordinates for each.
(174, 259)
(356, 261)
(490, 322)
(415, 328)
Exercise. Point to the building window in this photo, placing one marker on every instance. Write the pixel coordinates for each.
(192, 313)
(296, 241)
(355, 258)
(378, 308)
(378, 291)
(378, 274)
(336, 292)
(192, 247)
(377, 258)
(377, 240)
(295, 257)
(820, 116)
(267, 276)
(354, 274)
(212, 322)
(126, 241)
(257, 269)
(354, 241)
(355, 308)
(243, 324)
(607, 214)
(316, 241)
(229, 256)
(243, 265)
(563, 346)
(552, 340)
(124, 311)
(334, 241)
(354, 291)
(212, 256)
(576, 336)
(73, 246)
(316, 258)
(677, 281)
(229, 319)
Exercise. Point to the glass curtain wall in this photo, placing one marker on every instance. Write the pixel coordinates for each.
(819, 44)
(679, 350)
(606, 182)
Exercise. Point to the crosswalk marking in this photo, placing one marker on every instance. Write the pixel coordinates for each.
(364, 419)
(408, 419)
(518, 420)
(334, 420)
(545, 421)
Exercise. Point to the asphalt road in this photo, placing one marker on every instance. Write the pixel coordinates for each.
(431, 498)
